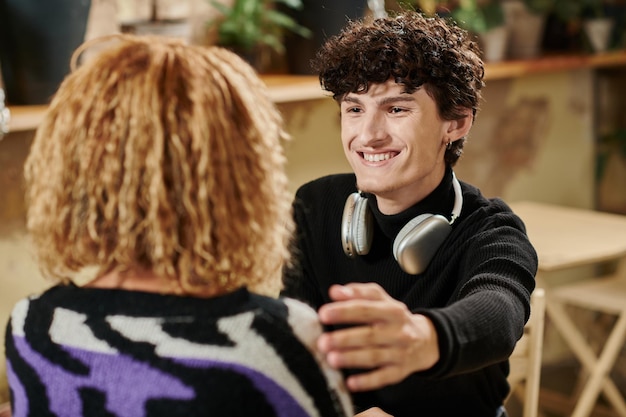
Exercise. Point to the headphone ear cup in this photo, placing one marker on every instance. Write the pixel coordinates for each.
(356, 226)
(362, 227)
(418, 241)
(346, 225)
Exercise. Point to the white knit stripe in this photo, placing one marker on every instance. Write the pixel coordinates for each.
(18, 317)
(68, 328)
(249, 349)
(306, 326)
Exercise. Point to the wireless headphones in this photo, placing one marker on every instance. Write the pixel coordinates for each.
(416, 243)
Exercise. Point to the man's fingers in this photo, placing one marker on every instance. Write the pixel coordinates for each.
(365, 291)
(362, 358)
(358, 337)
(359, 310)
(354, 312)
(375, 379)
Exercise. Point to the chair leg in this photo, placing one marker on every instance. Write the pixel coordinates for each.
(610, 390)
(601, 370)
(585, 354)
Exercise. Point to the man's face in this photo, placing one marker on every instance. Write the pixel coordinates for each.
(395, 143)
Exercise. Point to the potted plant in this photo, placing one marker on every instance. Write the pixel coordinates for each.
(526, 21)
(597, 25)
(579, 20)
(5, 115)
(157, 24)
(485, 18)
(252, 27)
(478, 16)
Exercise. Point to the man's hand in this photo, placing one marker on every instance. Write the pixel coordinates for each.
(387, 338)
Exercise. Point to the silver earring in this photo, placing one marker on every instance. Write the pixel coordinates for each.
(449, 145)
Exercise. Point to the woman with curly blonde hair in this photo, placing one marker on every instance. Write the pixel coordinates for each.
(158, 172)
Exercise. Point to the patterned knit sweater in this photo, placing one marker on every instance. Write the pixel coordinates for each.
(98, 352)
(476, 290)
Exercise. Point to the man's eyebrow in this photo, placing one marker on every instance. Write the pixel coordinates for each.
(396, 99)
(351, 99)
(384, 101)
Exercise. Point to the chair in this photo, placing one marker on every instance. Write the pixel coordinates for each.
(605, 295)
(567, 238)
(525, 361)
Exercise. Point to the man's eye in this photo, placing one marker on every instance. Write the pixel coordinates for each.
(353, 110)
(396, 110)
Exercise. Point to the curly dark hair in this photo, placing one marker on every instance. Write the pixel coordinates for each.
(415, 51)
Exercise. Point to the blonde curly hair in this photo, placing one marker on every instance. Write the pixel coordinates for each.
(161, 156)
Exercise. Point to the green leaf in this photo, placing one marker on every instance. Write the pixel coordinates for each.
(540, 6)
(248, 23)
(294, 4)
(468, 17)
(493, 15)
(282, 20)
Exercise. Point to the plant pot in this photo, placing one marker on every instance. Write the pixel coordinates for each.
(5, 115)
(494, 44)
(598, 32)
(173, 28)
(324, 18)
(37, 39)
(525, 30)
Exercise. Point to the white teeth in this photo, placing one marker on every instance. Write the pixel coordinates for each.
(375, 157)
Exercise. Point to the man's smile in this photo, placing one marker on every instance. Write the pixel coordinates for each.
(377, 157)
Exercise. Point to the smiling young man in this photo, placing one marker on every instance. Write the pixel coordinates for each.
(423, 283)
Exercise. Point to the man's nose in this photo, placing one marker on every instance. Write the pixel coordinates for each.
(373, 128)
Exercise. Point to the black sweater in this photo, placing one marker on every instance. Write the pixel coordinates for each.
(476, 290)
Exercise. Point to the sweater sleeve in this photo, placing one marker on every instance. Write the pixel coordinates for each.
(298, 277)
(492, 302)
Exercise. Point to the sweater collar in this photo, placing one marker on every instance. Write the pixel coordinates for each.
(440, 201)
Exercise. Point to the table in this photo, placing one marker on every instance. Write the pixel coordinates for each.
(566, 237)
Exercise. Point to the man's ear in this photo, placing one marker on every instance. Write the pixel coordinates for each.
(460, 127)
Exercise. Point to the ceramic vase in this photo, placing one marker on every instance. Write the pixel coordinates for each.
(525, 30)
(494, 44)
(598, 33)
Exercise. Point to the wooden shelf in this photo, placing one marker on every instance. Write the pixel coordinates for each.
(292, 88)
(26, 117)
(554, 63)
(282, 89)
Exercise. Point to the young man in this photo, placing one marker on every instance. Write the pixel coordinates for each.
(424, 283)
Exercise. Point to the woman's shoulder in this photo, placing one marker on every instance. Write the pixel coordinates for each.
(22, 306)
(301, 317)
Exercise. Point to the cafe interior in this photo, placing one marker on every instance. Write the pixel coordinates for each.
(549, 139)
